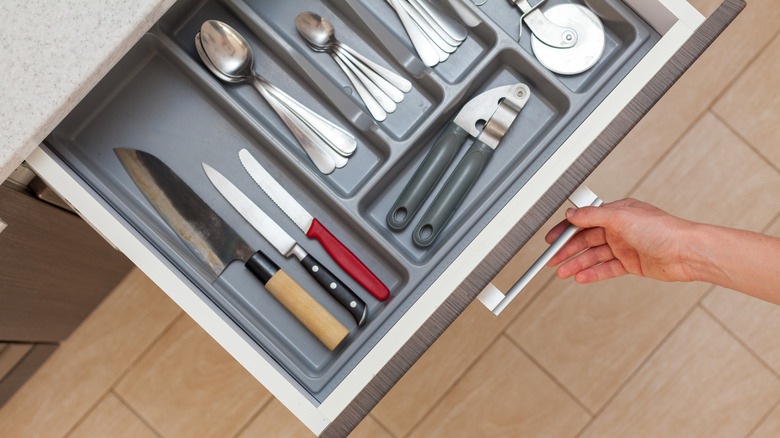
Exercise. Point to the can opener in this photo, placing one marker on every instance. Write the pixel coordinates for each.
(498, 108)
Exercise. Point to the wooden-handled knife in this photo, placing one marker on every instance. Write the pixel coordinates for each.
(216, 244)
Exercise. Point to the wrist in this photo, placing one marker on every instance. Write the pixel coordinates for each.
(699, 248)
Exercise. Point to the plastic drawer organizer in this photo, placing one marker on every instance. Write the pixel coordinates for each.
(160, 98)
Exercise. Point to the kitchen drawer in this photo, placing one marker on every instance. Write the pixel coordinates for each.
(161, 99)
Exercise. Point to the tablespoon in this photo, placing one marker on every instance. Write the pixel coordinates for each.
(229, 57)
(320, 36)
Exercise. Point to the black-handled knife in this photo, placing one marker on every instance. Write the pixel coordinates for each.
(286, 245)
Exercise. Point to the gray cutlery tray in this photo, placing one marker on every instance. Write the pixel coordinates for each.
(161, 99)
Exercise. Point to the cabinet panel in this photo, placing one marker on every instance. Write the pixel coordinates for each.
(54, 269)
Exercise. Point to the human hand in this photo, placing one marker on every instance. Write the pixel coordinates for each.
(623, 237)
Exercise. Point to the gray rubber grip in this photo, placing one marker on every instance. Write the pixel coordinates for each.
(455, 189)
(426, 176)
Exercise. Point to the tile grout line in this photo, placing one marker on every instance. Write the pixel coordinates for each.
(91, 409)
(136, 413)
(763, 419)
(381, 426)
(444, 395)
(639, 368)
(739, 340)
(755, 355)
(488, 345)
(549, 374)
(708, 108)
(747, 142)
(110, 387)
(252, 417)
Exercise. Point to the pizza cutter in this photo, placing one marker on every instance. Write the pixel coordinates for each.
(567, 38)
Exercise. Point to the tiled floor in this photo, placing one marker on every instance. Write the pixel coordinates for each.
(629, 357)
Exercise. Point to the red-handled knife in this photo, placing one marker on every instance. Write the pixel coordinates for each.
(313, 228)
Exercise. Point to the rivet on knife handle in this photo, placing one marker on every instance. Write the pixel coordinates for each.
(348, 261)
(426, 176)
(295, 299)
(336, 288)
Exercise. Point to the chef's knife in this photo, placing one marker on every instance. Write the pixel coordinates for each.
(286, 245)
(480, 108)
(313, 228)
(216, 244)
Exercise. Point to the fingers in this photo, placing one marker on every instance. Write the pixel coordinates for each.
(604, 271)
(588, 217)
(556, 231)
(587, 259)
(589, 238)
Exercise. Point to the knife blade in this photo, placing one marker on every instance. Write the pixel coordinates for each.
(216, 244)
(480, 108)
(286, 245)
(313, 228)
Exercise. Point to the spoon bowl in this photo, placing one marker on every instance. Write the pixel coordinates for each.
(226, 50)
(214, 70)
(316, 30)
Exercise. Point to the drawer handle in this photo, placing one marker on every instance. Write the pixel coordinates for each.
(495, 300)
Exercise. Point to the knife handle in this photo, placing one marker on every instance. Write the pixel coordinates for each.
(336, 288)
(451, 195)
(348, 261)
(294, 298)
(426, 176)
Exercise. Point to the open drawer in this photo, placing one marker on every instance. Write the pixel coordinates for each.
(161, 99)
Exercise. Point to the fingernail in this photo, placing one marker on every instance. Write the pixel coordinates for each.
(570, 212)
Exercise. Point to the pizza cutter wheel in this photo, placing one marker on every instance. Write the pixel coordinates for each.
(567, 38)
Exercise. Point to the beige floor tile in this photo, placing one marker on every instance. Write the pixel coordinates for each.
(275, 421)
(111, 418)
(369, 428)
(755, 322)
(187, 385)
(85, 366)
(770, 427)
(441, 367)
(712, 176)
(690, 97)
(504, 395)
(593, 337)
(700, 383)
(752, 105)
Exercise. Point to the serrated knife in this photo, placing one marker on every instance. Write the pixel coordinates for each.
(286, 245)
(216, 244)
(313, 228)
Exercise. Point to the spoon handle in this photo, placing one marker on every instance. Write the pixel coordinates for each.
(372, 105)
(389, 89)
(339, 139)
(397, 80)
(383, 99)
(425, 48)
(428, 30)
(308, 139)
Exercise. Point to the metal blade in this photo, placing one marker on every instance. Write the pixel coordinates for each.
(253, 214)
(481, 108)
(275, 191)
(208, 236)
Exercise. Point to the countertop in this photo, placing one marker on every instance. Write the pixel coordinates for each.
(52, 54)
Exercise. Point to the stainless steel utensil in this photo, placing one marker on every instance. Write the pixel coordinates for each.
(216, 244)
(229, 57)
(567, 38)
(379, 88)
(442, 32)
(286, 245)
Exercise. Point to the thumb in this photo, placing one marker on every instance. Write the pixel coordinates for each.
(588, 217)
